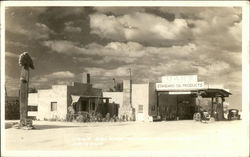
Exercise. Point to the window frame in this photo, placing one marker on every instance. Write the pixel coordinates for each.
(140, 108)
(53, 109)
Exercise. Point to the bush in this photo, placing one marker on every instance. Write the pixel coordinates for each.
(55, 118)
(82, 117)
(107, 117)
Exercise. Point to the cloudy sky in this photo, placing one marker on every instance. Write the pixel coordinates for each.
(153, 41)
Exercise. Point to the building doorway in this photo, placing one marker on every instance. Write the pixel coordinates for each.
(173, 107)
(81, 106)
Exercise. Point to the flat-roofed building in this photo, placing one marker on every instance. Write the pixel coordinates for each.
(53, 103)
(176, 97)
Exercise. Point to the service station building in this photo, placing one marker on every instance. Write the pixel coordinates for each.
(175, 98)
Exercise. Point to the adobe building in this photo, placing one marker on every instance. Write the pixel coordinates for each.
(53, 103)
(176, 97)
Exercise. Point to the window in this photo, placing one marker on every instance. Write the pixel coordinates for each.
(53, 106)
(32, 108)
(140, 109)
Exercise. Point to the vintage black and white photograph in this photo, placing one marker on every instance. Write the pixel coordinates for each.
(123, 79)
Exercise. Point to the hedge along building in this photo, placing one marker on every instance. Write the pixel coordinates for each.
(176, 97)
(54, 103)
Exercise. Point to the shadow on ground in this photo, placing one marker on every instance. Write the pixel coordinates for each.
(54, 126)
(45, 127)
(42, 127)
(9, 125)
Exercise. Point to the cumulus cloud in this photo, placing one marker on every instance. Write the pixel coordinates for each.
(220, 28)
(174, 52)
(62, 12)
(36, 31)
(64, 46)
(12, 85)
(235, 31)
(216, 69)
(69, 27)
(17, 44)
(212, 26)
(118, 72)
(119, 10)
(12, 55)
(139, 27)
(130, 49)
(152, 41)
(60, 74)
(166, 59)
(41, 31)
(54, 77)
(59, 77)
(105, 60)
(119, 53)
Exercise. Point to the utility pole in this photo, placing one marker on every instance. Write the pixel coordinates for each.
(25, 62)
(6, 94)
(130, 90)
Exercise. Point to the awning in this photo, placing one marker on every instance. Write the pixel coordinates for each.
(75, 98)
(206, 92)
(213, 92)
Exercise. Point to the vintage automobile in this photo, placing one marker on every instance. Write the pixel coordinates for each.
(201, 116)
(233, 114)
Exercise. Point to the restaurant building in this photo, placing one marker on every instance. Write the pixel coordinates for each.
(54, 103)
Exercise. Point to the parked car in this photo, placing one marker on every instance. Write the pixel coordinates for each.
(233, 114)
(201, 116)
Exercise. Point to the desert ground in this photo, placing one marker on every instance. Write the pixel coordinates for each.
(215, 138)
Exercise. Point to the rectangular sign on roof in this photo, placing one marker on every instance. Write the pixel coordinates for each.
(179, 93)
(179, 86)
(179, 79)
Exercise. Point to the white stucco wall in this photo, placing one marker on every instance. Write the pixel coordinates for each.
(116, 97)
(58, 94)
(140, 96)
(32, 101)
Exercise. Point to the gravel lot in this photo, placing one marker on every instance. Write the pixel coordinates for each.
(171, 137)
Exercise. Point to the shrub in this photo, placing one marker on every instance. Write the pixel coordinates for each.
(82, 117)
(107, 117)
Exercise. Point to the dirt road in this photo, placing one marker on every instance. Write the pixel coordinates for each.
(217, 138)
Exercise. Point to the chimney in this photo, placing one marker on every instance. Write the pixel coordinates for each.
(114, 84)
(86, 78)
